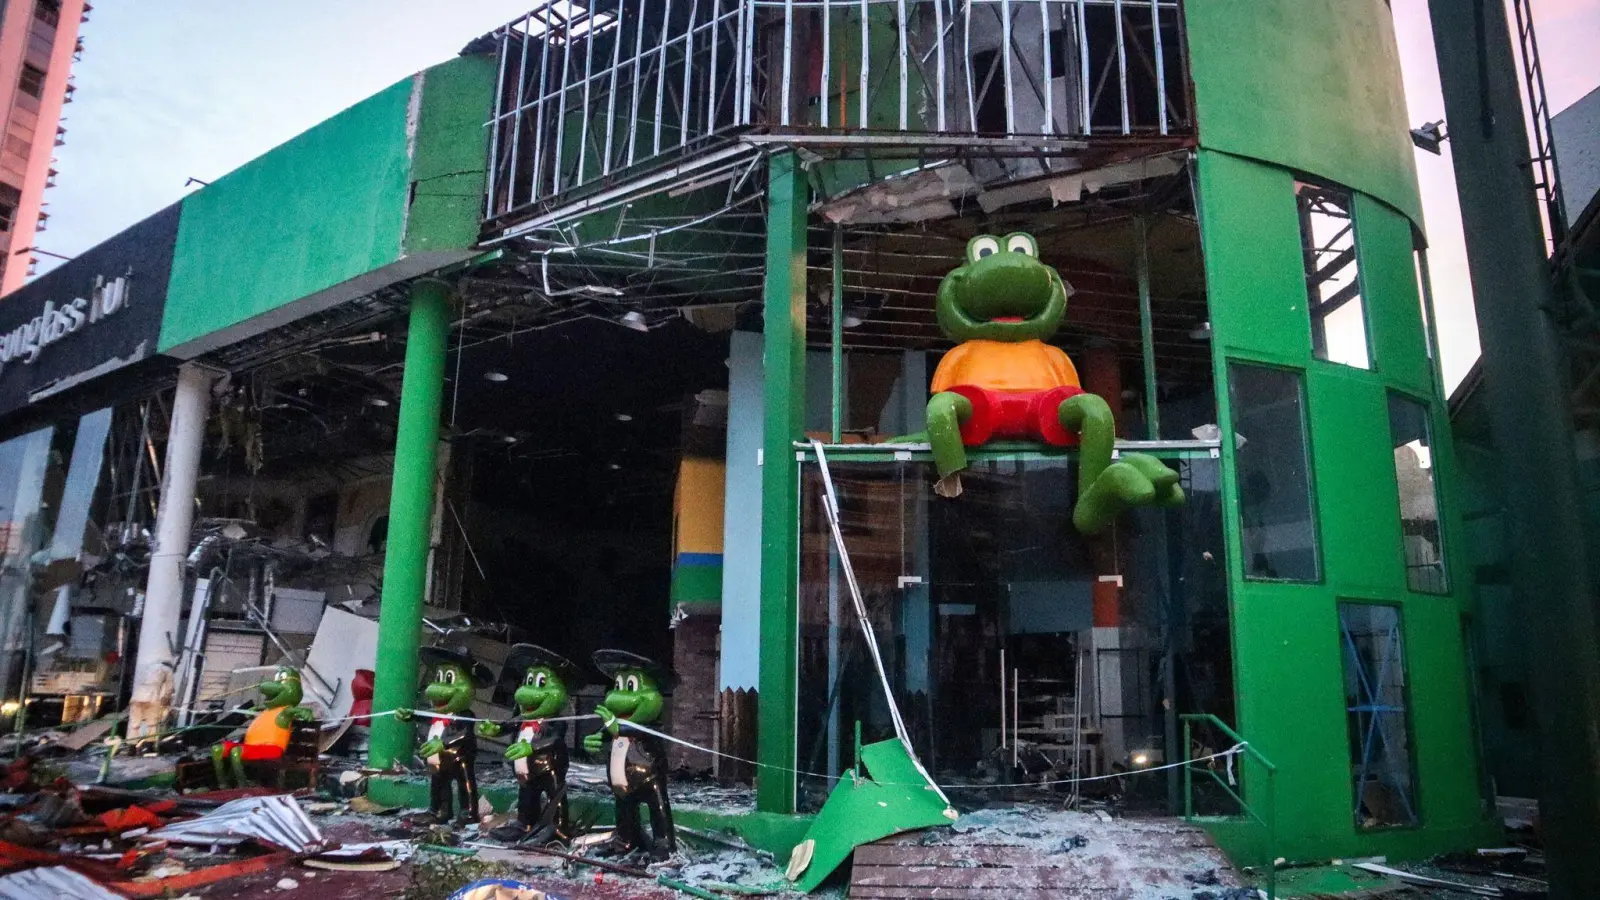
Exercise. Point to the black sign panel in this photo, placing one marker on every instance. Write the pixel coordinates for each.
(90, 316)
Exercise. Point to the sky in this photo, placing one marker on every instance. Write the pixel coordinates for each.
(1569, 51)
(170, 90)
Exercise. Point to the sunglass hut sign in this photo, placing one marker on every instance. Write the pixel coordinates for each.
(28, 341)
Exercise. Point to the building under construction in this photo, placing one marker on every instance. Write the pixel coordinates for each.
(559, 335)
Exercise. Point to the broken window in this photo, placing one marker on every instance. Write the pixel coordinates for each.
(32, 81)
(1378, 715)
(1277, 512)
(48, 11)
(1419, 495)
(9, 198)
(1333, 279)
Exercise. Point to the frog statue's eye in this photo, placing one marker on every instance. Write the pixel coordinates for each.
(981, 246)
(531, 678)
(539, 679)
(281, 676)
(622, 683)
(633, 683)
(448, 676)
(1022, 243)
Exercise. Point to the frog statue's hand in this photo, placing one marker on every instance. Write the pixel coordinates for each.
(519, 750)
(608, 720)
(593, 743)
(488, 729)
(293, 714)
(404, 715)
(431, 748)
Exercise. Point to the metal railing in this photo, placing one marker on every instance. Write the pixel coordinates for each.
(587, 93)
(1267, 819)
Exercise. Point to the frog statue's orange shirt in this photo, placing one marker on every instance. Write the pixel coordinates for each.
(266, 732)
(1005, 366)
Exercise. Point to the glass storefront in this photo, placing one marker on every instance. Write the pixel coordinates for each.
(1014, 646)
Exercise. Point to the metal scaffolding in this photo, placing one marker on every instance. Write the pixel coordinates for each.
(591, 99)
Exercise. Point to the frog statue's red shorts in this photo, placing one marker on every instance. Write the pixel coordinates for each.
(253, 752)
(1021, 415)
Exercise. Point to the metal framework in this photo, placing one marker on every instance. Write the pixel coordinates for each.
(591, 98)
(1375, 683)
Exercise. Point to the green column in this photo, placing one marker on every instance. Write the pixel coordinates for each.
(405, 563)
(784, 361)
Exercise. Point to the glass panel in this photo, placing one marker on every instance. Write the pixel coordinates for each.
(24, 462)
(1333, 282)
(1419, 497)
(1277, 515)
(999, 580)
(1384, 784)
(83, 480)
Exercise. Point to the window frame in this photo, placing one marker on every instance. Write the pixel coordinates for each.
(1317, 309)
(27, 75)
(1445, 549)
(1313, 503)
(1408, 714)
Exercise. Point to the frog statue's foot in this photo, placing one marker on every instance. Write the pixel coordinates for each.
(1135, 480)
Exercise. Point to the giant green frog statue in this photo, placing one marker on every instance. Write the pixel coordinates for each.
(1003, 381)
(268, 735)
(636, 762)
(538, 756)
(450, 746)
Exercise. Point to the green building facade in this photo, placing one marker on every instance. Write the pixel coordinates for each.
(770, 193)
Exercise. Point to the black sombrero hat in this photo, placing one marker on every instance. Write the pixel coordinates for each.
(522, 656)
(461, 656)
(610, 661)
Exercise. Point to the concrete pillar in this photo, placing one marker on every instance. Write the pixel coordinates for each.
(411, 500)
(159, 634)
(1524, 369)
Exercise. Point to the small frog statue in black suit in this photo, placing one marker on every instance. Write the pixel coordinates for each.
(636, 762)
(538, 756)
(449, 746)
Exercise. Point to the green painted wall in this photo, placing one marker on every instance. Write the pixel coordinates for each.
(448, 155)
(321, 209)
(398, 176)
(1287, 653)
(1324, 73)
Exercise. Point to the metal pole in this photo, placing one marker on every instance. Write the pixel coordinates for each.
(1147, 340)
(838, 333)
(411, 497)
(163, 594)
(1531, 424)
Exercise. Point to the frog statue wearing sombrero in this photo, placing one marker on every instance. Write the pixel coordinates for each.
(450, 746)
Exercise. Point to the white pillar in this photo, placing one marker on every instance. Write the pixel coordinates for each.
(163, 596)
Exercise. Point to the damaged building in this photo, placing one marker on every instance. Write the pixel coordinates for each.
(559, 340)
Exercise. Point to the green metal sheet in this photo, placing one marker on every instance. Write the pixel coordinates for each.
(1251, 235)
(449, 154)
(1389, 290)
(323, 208)
(1313, 85)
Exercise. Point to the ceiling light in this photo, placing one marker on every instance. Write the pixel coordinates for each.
(496, 377)
(1201, 332)
(511, 439)
(635, 320)
(623, 417)
(614, 466)
(377, 401)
